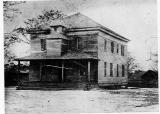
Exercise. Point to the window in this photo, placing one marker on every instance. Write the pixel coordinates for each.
(112, 47)
(105, 69)
(117, 48)
(111, 69)
(105, 45)
(88, 43)
(122, 50)
(43, 44)
(123, 70)
(117, 70)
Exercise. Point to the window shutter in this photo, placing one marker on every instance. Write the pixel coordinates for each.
(111, 69)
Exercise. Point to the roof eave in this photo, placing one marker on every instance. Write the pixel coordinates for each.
(103, 29)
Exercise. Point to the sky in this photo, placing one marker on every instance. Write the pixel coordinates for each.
(133, 19)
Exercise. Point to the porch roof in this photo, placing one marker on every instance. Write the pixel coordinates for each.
(67, 56)
(54, 35)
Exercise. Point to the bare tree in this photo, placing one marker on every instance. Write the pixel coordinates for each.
(132, 65)
(154, 62)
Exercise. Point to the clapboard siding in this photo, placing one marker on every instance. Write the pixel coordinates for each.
(54, 47)
(84, 43)
(109, 57)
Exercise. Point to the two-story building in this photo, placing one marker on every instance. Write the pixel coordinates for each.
(76, 50)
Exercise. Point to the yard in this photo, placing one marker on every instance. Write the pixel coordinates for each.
(95, 100)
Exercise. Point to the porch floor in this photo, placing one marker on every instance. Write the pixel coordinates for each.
(45, 85)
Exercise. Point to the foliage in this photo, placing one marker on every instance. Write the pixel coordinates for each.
(9, 9)
(43, 19)
(11, 71)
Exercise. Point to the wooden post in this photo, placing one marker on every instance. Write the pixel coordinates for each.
(62, 71)
(18, 73)
(89, 69)
(41, 65)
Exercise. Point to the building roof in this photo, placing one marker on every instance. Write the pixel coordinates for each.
(137, 76)
(58, 22)
(143, 75)
(69, 55)
(79, 20)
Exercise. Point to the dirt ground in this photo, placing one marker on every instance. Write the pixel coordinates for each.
(79, 101)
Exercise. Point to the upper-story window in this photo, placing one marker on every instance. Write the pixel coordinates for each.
(55, 28)
(43, 44)
(105, 45)
(122, 50)
(117, 48)
(112, 47)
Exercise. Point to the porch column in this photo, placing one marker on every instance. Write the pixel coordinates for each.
(18, 73)
(89, 69)
(41, 65)
(62, 71)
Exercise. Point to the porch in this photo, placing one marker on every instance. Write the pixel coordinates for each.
(60, 73)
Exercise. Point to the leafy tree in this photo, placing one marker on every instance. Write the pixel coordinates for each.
(10, 9)
(43, 19)
(19, 34)
(39, 22)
